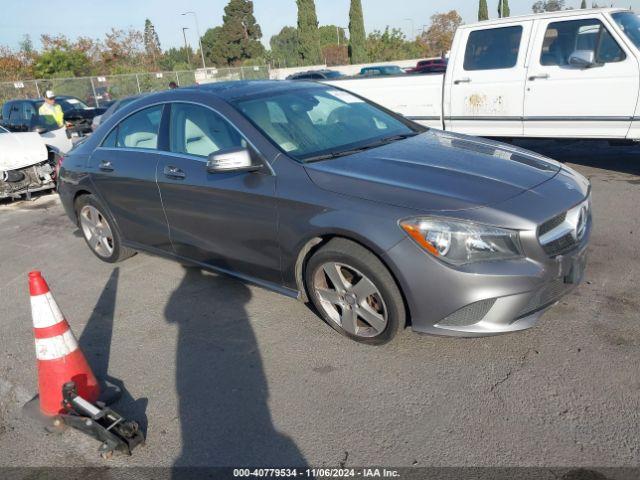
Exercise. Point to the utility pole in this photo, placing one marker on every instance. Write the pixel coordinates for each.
(186, 46)
(500, 8)
(413, 28)
(195, 16)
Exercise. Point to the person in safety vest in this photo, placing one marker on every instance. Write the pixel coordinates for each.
(50, 112)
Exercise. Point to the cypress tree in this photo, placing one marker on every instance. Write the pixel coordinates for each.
(503, 5)
(583, 4)
(151, 40)
(308, 34)
(357, 34)
(240, 34)
(483, 11)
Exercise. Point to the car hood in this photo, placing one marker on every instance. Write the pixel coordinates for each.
(19, 150)
(435, 171)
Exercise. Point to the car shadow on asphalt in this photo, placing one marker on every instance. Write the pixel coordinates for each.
(95, 343)
(221, 384)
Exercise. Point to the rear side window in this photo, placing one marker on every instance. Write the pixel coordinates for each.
(493, 49)
(564, 38)
(139, 130)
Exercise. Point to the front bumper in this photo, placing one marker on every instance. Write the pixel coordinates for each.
(485, 298)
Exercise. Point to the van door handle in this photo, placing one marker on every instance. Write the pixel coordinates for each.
(539, 76)
(106, 166)
(174, 172)
(462, 80)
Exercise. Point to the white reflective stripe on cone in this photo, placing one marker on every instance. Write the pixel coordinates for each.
(56, 347)
(45, 311)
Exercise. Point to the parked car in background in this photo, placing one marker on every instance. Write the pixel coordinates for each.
(437, 65)
(113, 108)
(562, 74)
(101, 99)
(321, 195)
(77, 114)
(381, 70)
(22, 116)
(27, 165)
(316, 75)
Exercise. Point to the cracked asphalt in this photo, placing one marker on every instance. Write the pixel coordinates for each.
(224, 373)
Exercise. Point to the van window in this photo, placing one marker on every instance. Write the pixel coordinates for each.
(493, 48)
(564, 38)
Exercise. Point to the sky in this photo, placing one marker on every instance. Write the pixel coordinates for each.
(95, 18)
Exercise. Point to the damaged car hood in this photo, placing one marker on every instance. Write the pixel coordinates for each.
(19, 150)
(435, 171)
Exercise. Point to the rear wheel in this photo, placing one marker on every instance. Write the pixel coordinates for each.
(355, 293)
(98, 230)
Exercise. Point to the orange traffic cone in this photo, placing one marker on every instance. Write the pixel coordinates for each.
(60, 360)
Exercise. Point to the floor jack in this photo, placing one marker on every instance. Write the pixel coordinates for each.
(99, 422)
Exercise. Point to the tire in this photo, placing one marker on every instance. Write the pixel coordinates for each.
(371, 313)
(99, 231)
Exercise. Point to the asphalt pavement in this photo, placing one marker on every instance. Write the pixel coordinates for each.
(221, 373)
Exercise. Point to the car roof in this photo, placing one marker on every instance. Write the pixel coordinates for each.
(545, 15)
(233, 90)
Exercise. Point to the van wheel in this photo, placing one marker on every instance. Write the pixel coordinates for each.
(355, 293)
(98, 230)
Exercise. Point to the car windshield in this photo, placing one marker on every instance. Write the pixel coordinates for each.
(630, 25)
(319, 123)
(332, 74)
(69, 104)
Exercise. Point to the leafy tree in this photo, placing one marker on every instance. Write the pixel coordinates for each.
(177, 59)
(239, 37)
(329, 35)
(285, 47)
(357, 34)
(62, 58)
(503, 8)
(438, 38)
(390, 45)
(122, 52)
(548, 6)
(13, 65)
(483, 11)
(335, 54)
(308, 34)
(151, 42)
(583, 4)
(212, 44)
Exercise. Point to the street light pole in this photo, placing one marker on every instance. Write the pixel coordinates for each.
(195, 16)
(186, 46)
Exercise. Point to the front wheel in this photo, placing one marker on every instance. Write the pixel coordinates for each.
(98, 230)
(355, 293)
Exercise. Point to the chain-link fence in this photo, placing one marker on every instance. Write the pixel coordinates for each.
(99, 90)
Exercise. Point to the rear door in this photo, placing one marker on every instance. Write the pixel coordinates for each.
(487, 80)
(123, 169)
(567, 100)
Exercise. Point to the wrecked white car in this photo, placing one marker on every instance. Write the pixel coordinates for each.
(27, 165)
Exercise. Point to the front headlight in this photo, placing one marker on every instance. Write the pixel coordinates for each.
(459, 242)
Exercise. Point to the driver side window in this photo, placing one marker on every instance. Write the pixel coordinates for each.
(199, 131)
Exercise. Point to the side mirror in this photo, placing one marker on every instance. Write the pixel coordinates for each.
(583, 58)
(231, 160)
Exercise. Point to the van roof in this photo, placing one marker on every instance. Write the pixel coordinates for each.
(536, 16)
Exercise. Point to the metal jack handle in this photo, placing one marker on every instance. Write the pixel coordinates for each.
(100, 422)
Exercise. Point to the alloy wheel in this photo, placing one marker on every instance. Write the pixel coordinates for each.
(97, 231)
(350, 299)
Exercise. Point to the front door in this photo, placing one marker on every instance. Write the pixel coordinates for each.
(582, 81)
(487, 83)
(123, 169)
(226, 220)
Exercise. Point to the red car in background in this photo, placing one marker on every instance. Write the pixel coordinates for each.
(438, 65)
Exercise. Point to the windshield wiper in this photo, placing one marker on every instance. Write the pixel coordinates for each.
(351, 151)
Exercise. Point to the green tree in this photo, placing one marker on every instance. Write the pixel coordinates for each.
(308, 34)
(212, 45)
(388, 45)
(151, 42)
(438, 38)
(357, 34)
(503, 8)
(62, 63)
(483, 11)
(285, 48)
(583, 4)
(177, 59)
(239, 38)
(548, 6)
(331, 35)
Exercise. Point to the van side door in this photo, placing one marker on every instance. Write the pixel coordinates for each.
(582, 80)
(486, 84)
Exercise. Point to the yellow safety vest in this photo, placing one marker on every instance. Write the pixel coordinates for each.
(51, 114)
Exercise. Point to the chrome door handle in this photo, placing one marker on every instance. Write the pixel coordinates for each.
(462, 80)
(174, 172)
(106, 166)
(540, 76)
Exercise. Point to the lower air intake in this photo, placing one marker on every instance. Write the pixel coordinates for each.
(469, 315)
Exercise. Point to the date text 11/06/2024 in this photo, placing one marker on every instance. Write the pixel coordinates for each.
(316, 473)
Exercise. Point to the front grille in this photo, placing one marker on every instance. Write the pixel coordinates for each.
(549, 225)
(560, 246)
(472, 313)
(545, 296)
